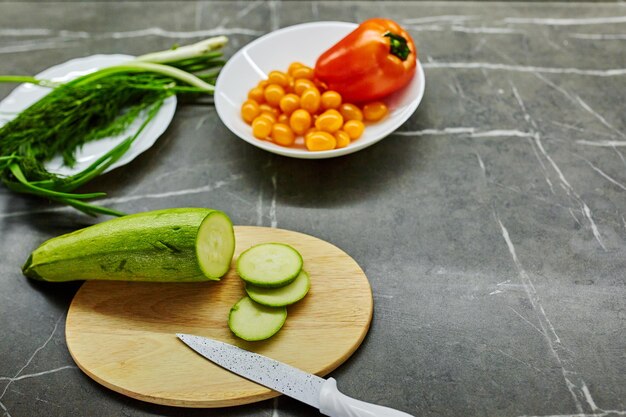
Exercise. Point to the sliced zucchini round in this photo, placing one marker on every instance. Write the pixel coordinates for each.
(215, 244)
(269, 265)
(252, 321)
(282, 296)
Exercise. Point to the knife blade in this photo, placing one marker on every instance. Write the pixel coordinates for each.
(310, 389)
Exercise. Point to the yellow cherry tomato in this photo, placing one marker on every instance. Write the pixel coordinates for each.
(273, 93)
(320, 141)
(256, 94)
(278, 77)
(283, 135)
(250, 110)
(354, 128)
(310, 100)
(269, 116)
(299, 86)
(374, 111)
(350, 112)
(300, 121)
(303, 72)
(289, 103)
(266, 108)
(343, 139)
(283, 118)
(330, 121)
(331, 99)
(261, 127)
(293, 66)
(263, 83)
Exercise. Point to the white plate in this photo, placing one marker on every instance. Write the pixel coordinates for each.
(303, 43)
(27, 94)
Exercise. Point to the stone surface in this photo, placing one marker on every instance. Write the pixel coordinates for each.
(491, 225)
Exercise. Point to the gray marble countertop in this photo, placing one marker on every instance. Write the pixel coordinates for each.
(491, 225)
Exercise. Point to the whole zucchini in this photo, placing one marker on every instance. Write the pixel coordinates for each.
(171, 245)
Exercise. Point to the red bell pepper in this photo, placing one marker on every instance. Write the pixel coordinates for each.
(371, 62)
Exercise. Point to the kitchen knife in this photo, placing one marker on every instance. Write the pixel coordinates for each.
(310, 389)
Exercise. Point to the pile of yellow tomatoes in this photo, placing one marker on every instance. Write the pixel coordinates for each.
(291, 104)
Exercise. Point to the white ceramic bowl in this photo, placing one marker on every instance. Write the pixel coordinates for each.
(303, 43)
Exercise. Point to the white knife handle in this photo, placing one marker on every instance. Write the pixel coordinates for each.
(335, 404)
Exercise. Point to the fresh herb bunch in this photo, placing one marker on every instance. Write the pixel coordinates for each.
(103, 103)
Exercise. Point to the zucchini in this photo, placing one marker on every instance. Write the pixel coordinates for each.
(283, 296)
(252, 321)
(171, 245)
(269, 265)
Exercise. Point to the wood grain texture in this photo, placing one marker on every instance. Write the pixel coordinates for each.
(122, 334)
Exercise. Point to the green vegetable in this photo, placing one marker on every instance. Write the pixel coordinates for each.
(252, 322)
(269, 265)
(274, 279)
(178, 245)
(282, 296)
(94, 106)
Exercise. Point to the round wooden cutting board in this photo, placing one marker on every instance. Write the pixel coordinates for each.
(122, 334)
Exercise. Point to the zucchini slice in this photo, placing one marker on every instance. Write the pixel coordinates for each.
(269, 265)
(283, 296)
(215, 244)
(252, 321)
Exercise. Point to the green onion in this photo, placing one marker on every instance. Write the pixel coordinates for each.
(97, 105)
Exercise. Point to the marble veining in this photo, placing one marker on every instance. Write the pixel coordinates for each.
(491, 225)
(525, 68)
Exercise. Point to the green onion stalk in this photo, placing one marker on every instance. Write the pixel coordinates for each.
(94, 106)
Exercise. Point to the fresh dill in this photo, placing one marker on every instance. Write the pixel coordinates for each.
(94, 106)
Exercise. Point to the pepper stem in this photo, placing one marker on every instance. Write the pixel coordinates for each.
(398, 45)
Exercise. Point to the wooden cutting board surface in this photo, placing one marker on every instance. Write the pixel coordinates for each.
(122, 334)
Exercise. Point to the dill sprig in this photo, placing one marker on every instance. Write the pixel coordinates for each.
(97, 105)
